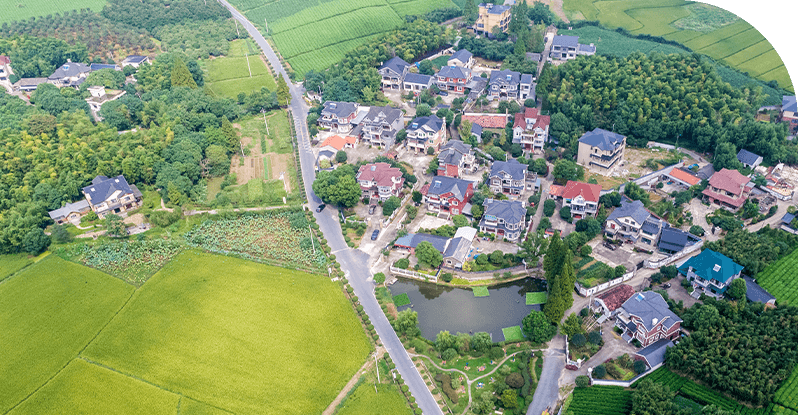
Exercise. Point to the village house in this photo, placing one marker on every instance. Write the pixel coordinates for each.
(456, 158)
(447, 194)
(99, 66)
(627, 220)
(379, 181)
(654, 353)
(426, 132)
(508, 177)
(647, 318)
(789, 113)
(112, 195)
(462, 58)
(71, 212)
(711, 272)
(601, 150)
(568, 48)
(330, 147)
(338, 116)
(453, 79)
(756, 294)
(98, 96)
(379, 126)
(28, 84)
(5, 69)
(410, 241)
(135, 61)
(531, 130)
(673, 240)
(71, 74)
(682, 177)
(728, 188)
(509, 84)
(417, 82)
(393, 73)
(503, 218)
(458, 248)
(491, 16)
(611, 300)
(581, 198)
(749, 159)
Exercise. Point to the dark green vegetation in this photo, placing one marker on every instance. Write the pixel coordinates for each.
(560, 278)
(132, 261)
(755, 251)
(638, 95)
(600, 400)
(780, 279)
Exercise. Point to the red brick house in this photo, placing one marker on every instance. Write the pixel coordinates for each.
(379, 181)
(728, 188)
(447, 194)
(647, 318)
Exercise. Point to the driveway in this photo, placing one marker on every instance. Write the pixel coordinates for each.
(548, 391)
(351, 261)
(614, 346)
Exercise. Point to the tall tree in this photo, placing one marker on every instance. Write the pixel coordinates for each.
(552, 262)
(181, 75)
(283, 92)
(470, 11)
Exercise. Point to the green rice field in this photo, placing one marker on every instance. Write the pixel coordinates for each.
(386, 400)
(23, 10)
(705, 29)
(512, 334)
(314, 34)
(207, 334)
(535, 298)
(10, 264)
(229, 76)
(480, 291)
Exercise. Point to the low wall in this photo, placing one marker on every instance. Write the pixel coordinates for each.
(488, 275)
(623, 383)
(673, 258)
(585, 292)
(414, 275)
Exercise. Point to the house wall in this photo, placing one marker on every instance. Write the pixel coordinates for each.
(586, 158)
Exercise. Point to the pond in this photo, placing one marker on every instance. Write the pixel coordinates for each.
(457, 310)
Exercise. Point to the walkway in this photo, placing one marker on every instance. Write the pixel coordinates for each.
(548, 391)
(351, 260)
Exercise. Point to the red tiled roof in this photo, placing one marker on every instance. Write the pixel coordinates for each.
(616, 296)
(382, 173)
(729, 180)
(519, 121)
(590, 192)
(684, 176)
(487, 121)
(338, 142)
(556, 190)
(542, 122)
(450, 171)
(4, 60)
(530, 112)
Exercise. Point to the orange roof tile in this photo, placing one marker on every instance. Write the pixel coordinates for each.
(685, 177)
(590, 192)
(556, 190)
(338, 142)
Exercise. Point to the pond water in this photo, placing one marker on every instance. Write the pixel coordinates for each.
(457, 310)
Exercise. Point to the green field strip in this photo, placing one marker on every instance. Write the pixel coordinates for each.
(762, 64)
(657, 21)
(780, 75)
(717, 35)
(23, 10)
(787, 394)
(480, 291)
(247, 5)
(730, 45)
(683, 36)
(748, 53)
(585, 7)
(323, 11)
(323, 58)
(419, 7)
(513, 334)
(612, 16)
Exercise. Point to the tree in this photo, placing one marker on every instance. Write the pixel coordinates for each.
(390, 205)
(470, 11)
(697, 230)
(582, 381)
(114, 226)
(548, 207)
(610, 199)
(750, 209)
(425, 67)
(481, 342)
(338, 187)
(726, 157)
(509, 398)
(565, 213)
(639, 366)
(460, 221)
(423, 110)
(537, 328)
(60, 234)
(496, 257)
(217, 160)
(417, 196)
(589, 226)
(599, 371)
(428, 254)
(341, 156)
(449, 354)
(594, 337)
(571, 325)
(635, 192)
(565, 170)
(283, 92)
(181, 75)
(465, 131)
(379, 278)
(35, 241)
(737, 289)
(578, 340)
(514, 380)
(407, 323)
(444, 340)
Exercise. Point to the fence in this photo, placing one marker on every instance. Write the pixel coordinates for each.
(584, 292)
(485, 275)
(669, 260)
(415, 275)
(622, 383)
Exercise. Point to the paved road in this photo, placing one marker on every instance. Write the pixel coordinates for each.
(354, 263)
(548, 390)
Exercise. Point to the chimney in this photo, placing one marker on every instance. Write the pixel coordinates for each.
(654, 322)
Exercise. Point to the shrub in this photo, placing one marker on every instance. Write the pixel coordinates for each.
(594, 337)
(548, 207)
(697, 230)
(639, 366)
(446, 385)
(582, 381)
(402, 263)
(514, 380)
(505, 370)
(599, 372)
(496, 353)
(379, 278)
(585, 250)
(449, 354)
(447, 277)
(565, 213)
(578, 340)
(613, 371)
(584, 312)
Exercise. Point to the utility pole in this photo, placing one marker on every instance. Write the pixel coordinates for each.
(248, 67)
(237, 32)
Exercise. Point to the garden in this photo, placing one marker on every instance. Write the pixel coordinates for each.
(620, 368)
(599, 400)
(283, 238)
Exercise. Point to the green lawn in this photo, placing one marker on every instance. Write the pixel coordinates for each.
(401, 299)
(480, 291)
(10, 264)
(536, 298)
(23, 10)
(230, 75)
(387, 400)
(48, 313)
(513, 334)
(237, 335)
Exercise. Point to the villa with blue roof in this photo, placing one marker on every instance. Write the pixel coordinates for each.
(601, 151)
(711, 272)
(111, 195)
(393, 73)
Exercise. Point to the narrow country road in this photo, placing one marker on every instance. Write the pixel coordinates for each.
(353, 263)
(548, 390)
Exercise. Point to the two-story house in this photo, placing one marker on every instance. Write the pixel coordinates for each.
(601, 150)
(456, 158)
(711, 272)
(582, 198)
(789, 113)
(5, 69)
(509, 84)
(462, 58)
(69, 74)
(728, 188)
(627, 220)
(646, 317)
(379, 126)
(416, 82)
(338, 116)
(531, 130)
(507, 177)
(379, 181)
(503, 218)
(426, 132)
(393, 73)
(447, 194)
(568, 48)
(492, 16)
(453, 79)
(112, 195)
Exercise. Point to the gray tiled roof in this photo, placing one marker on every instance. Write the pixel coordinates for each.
(673, 239)
(755, 292)
(70, 69)
(454, 72)
(69, 208)
(102, 188)
(458, 249)
(98, 66)
(789, 103)
(505, 77)
(439, 242)
(534, 57)
(651, 227)
(385, 114)
(476, 129)
(496, 9)
(631, 208)
(654, 353)
(706, 172)
(512, 211)
(787, 218)
(417, 78)
(747, 157)
(526, 79)
(515, 169)
(649, 306)
(430, 123)
(452, 152)
(603, 139)
(462, 55)
(395, 64)
(586, 48)
(565, 41)
(441, 185)
(135, 59)
(339, 109)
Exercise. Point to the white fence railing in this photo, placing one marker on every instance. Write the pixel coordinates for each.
(673, 258)
(415, 275)
(585, 292)
(623, 383)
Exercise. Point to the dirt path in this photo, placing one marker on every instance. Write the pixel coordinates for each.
(556, 7)
(349, 385)
(163, 207)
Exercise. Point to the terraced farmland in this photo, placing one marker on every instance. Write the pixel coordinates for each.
(23, 10)
(315, 34)
(704, 29)
(780, 279)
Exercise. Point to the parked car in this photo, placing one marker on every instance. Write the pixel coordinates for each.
(443, 93)
(321, 207)
(666, 285)
(375, 234)
(372, 208)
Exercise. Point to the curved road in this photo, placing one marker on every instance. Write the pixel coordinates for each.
(354, 263)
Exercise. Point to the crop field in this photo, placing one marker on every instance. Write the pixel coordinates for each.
(132, 261)
(780, 279)
(387, 400)
(235, 335)
(610, 42)
(780, 410)
(48, 313)
(10, 264)
(23, 10)
(314, 34)
(704, 29)
(229, 76)
(601, 400)
(282, 237)
(787, 395)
